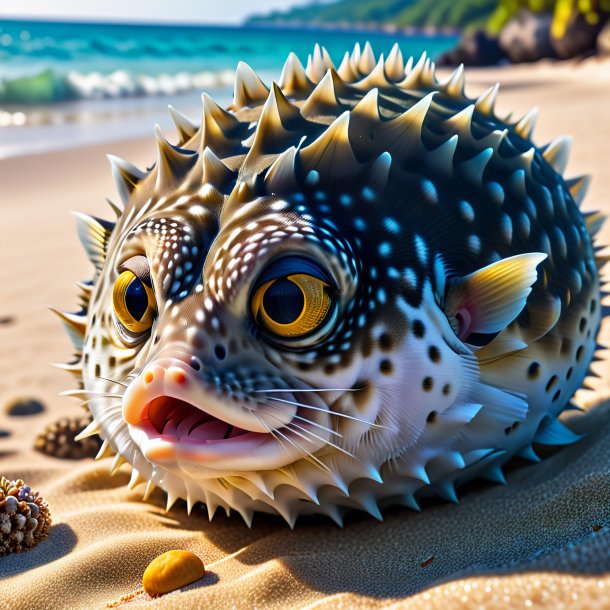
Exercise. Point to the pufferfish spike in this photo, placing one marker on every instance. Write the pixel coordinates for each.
(75, 324)
(578, 188)
(293, 80)
(411, 121)
(249, 88)
(125, 175)
(368, 107)
(105, 451)
(556, 153)
(346, 69)
(282, 175)
(441, 158)
(173, 163)
(135, 479)
(475, 167)
(367, 61)
(118, 461)
(485, 103)
(184, 126)
(118, 212)
(319, 63)
(94, 234)
(376, 78)
(413, 73)
(215, 172)
(553, 432)
(324, 99)
(525, 126)
(217, 127)
(74, 368)
(331, 148)
(91, 429)
(454, 85)
(278, 118)
(394, 64)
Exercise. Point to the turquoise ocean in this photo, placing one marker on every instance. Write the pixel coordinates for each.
(71, 84)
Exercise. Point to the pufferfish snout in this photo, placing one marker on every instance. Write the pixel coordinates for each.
(353, 288)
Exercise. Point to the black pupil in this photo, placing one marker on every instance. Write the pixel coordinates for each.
(136, 299)
(283, 301)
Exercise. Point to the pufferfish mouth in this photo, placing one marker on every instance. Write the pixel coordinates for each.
(174, 416)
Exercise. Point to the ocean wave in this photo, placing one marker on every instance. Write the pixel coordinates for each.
(49, 86)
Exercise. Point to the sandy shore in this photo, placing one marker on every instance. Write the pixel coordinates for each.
(533, 539)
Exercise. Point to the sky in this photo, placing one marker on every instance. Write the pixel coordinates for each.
(164, 11)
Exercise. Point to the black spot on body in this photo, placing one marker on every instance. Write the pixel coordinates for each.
(419, 330)
(431, 417)
(551, 382)
(386, 367)
(446, 389)
(434, 353)
(533, 371)
(220, 351)
(427, 384)
(385, 342)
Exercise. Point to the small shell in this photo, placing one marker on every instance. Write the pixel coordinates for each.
(170, 571)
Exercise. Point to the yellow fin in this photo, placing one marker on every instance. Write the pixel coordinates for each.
(489, 299)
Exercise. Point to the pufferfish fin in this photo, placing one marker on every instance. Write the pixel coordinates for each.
(489, 299)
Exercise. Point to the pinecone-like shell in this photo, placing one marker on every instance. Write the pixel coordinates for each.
(25, 519)
(57, 439)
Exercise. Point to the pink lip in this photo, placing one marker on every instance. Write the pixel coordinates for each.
(174, 417)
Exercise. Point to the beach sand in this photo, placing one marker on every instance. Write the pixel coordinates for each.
(541, 541)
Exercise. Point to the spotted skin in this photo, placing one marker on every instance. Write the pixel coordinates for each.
(400, 188)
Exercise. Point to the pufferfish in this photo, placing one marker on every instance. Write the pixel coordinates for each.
(353, 288)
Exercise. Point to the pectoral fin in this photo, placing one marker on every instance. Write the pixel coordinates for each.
(489, 299)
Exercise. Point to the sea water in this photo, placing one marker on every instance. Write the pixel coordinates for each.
(70, 84)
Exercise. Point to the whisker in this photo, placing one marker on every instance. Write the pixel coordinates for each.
(330, 443)
(331, 412)
(125, 385)
(272, 432)
(78, 393)
(293, 390)
(308, 455)
(309, 421)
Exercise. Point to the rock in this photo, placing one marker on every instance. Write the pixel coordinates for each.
(579, 36)
(474, 49)
(170, 571)
(603, 40)
(527, 37)
(21, 406)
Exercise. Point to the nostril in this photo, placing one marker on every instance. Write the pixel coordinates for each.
(149, 377)
(220, 352)
(179, 377)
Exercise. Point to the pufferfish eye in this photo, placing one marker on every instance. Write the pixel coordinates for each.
(292, 298)
(134, 302)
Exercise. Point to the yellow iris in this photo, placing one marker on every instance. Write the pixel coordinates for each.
(316, 303)
(134, 303)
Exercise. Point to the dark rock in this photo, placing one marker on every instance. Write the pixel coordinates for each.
(580, 36)
(603, 40)
(22, 406)
(527, 37)
(474, 49)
